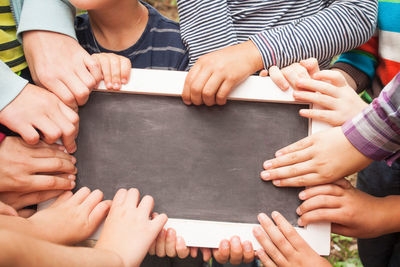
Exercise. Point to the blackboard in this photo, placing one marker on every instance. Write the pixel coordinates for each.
(200, 163)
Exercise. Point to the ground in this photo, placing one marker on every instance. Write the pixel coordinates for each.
(344, 251)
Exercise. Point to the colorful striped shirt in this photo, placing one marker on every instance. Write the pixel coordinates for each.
(11, 52)
(379, 58)
(284, 31)
(159, 47)
(376, 131)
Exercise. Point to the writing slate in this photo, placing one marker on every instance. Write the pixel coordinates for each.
(198, 162)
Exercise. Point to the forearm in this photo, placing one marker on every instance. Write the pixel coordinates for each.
(340, 27)
(10, 85)
(376, 131)
(47, 15)
(23, 250)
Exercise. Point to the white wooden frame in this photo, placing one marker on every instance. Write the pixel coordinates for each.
(210, 233)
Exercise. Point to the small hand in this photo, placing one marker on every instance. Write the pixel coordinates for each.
(288, 76)
(321, 158)
(115, 69)
(128, 230)
(329, 90)
(344, 206)
(214, 75)
(36, 110)
(72, 218)
(26, 168)
(282, 245)
(58, 63)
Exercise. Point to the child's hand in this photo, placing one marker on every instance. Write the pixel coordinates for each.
(321, 158)
(23, 167)
(329, 90)
(115, 69)
(70, 74)
(72, 218)
(35, 110)
(283, 246)
(351, 211)
(128, 230)
(234, 251)
(214, 75)
(288, 76)
(168, 244)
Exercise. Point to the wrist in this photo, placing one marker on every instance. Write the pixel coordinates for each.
(252, 56)
(389, 209)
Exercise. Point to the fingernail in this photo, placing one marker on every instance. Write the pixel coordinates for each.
(73, 184)
(300, 222)
(302, 195)
(116, 86)
(277, 182)
(278, 154)
(124, 81)
(274, 214)
(235, 241)
(298, 211)
(262, 217)
(73, 160)
(247, 247)
(225, 244)
(267, 165)
(265, 175)
(109, 85)
(170, 232)
(71, 177)
(187, 102)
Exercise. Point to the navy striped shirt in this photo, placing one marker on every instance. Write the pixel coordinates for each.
(159, 47)
(284, 31)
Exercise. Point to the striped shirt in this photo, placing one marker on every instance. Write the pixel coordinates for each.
(376, 131)
(159, 47)
(379, 58)
(284, 31)
(11, 51)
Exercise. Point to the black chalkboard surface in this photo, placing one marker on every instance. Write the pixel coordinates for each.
(199, 163)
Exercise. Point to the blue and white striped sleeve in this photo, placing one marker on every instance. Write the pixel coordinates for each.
(205, 26)
(342, 26)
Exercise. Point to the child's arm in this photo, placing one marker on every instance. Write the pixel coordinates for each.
(56, 60)
(20, 250)
(128, 230)
(115, 69)
(23, 167)
(330, 155)
(351, 211)
(70, 219)
(212, 78)
(282, 245)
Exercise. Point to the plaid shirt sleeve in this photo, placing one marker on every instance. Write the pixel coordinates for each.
(376, 131)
